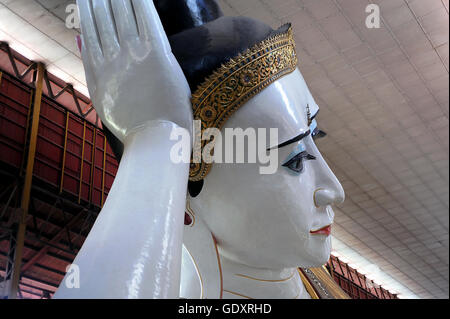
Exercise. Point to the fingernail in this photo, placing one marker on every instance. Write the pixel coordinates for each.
(78, 38)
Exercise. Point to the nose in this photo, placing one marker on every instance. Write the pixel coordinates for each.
(329, 190)
(325, 197)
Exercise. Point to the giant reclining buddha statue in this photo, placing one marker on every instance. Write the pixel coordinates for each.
(201, 228)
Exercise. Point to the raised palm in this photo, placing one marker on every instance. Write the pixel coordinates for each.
(132, 75)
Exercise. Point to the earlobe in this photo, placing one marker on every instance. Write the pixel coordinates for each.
(194, 188)
(202, 247)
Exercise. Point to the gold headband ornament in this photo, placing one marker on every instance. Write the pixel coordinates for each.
(235, 82)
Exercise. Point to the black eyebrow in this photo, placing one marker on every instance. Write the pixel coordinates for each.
(315, 115)
(292, 140)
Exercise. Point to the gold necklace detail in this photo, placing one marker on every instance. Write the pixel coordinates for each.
(262, 280)
(247, 297)
(237, 294)
(266, 280)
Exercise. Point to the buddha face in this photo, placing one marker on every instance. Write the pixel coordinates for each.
(275, 220)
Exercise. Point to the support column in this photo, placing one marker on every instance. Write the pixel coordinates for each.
(25, 201)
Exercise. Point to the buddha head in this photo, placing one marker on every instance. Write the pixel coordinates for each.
(274, 220)
(243, 74)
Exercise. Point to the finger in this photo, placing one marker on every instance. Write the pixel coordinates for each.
(149, 24)
(91, 42)
(106, 28)
(88, 71)
(125, 20)
(78, 40)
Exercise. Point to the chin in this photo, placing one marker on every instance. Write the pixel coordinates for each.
(316, 253)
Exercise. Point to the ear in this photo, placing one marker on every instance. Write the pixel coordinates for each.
(201, 247)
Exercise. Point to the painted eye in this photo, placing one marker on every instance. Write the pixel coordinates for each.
(296, 163)
(316, 133)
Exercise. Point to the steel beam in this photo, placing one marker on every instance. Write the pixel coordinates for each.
(8, 202)
(6, 282)
(25, 201)
(103, 170)
(54, 240)
(82, 162)
(66, 132)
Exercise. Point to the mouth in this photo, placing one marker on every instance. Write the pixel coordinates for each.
(326, 230)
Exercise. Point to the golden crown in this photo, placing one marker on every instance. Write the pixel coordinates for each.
(235, 82)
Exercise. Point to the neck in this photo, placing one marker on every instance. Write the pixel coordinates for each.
(241, 281)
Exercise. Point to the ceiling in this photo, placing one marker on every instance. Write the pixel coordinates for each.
(384, 101)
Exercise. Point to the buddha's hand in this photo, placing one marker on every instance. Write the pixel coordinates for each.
(132, 75)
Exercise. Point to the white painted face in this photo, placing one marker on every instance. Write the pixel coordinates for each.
(265, 221)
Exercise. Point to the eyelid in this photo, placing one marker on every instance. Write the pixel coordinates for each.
(292, 140)
(297, 150)
(313, 125)
(318, 133)
(298, 160)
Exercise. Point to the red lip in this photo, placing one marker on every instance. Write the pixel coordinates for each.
(322, 231)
